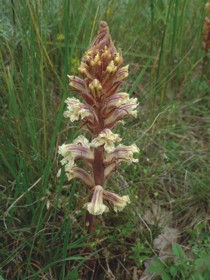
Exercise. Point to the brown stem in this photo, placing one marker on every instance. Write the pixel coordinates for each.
(98, 172)
(98, 166)
(89, 222)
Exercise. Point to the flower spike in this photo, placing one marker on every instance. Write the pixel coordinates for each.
(101, 108)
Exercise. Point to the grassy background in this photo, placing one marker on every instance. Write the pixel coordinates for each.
(42, 226)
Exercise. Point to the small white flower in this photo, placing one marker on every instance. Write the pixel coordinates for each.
(82, 141)
(123, 153)
(125, 110)
(118, 99)
(70, 172)
(106, 138)
(69, 166)
(66, 153)
(76, 110)
(78, 150)
(130, 107)
(63, 150)
(119, 202)
(96, 206)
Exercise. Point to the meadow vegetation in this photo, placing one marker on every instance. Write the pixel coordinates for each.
(164, 232)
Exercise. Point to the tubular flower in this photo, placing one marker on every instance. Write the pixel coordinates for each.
(78, 150)
(81, 140)
(121, 112)
(118, 99)
(79, 85)
(119, 202)
(106, 138)
(103, 108)
(72, 171)
(77, 110)
(96, 206)
(122, 153)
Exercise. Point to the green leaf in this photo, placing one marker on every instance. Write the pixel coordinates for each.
(165, 276)
(173, 270)
(72, 275)
(157, 266)
(178, 251)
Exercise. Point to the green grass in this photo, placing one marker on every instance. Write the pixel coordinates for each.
(42, 232)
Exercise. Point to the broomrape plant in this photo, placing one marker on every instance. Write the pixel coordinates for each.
(103, 108)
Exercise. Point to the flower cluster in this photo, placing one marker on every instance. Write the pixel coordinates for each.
(102, 109)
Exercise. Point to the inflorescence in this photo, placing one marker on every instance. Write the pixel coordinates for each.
(103, 107)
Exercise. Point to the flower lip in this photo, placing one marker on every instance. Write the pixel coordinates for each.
(122, 112)
(96, 206)
(76, 110)
(106, 138)
(119, 202)
(118, 99)
(82, 140)
(76, 172)
(79, 149)
(122, 153)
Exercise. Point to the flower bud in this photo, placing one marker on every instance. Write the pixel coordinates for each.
(95, 61)
(80, 86)
(85, 71)
(95, 88)
(122, 74)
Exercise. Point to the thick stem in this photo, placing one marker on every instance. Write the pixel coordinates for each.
(98, 173)
(98, 166)
(89, 225)
(98, 169)
(89, 219)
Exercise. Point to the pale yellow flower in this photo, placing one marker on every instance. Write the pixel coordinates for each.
(122, 153)
(106, 138)
(126, 109)
(66, 153)
(78, 150)
(82, 140)
(119, 202)
(70, 171)
(76, 110)
(117, 100)
(96, 206)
